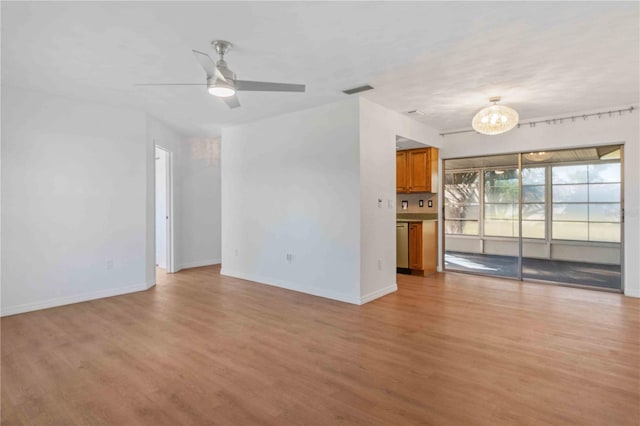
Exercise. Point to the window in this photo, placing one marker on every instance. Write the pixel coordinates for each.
(501, 203)
(574, 196)
(586, 202)
(533, 202)
(462, 203)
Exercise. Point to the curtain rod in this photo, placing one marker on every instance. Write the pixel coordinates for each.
(560, 120)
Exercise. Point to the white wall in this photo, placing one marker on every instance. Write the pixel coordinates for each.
(73, 201)
(617, 129)
(308, 183)
(78, 200)
(379, 127)
(291, 184)
(199, 206)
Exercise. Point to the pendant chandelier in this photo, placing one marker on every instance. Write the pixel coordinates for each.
(495, 119)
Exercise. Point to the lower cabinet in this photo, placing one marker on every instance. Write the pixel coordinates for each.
(415, 246)
(423, 247)
(430, 246)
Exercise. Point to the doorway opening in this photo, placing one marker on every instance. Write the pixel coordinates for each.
(416, 207)
(552, 216)
(164, 210)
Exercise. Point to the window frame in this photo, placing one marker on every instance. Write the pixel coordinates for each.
(588, 202)
(548, 203)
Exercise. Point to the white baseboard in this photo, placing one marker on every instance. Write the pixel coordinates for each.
(61, 301)
(198, 263)
(378, 293)
(314, 291)
(632, 292)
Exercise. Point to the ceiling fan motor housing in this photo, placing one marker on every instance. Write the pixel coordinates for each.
(225, 71)
(229, 76)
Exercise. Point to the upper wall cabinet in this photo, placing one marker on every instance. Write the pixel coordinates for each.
(401, 172)
(417, 170)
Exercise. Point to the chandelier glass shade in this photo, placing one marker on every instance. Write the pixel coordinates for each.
(495, 119)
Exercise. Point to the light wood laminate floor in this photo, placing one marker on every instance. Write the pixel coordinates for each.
(449, 349)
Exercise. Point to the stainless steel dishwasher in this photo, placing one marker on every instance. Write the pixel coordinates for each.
(402, 244)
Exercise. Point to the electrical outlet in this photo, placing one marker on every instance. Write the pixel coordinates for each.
(236, 252)
(289, 257)
(430, 203)
(379, 203)
(109, 264)
(420, 203)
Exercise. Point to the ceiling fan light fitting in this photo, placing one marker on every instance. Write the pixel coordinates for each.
(221, 89)
(221, 92)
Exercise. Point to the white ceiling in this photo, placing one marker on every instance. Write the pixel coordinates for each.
(443, 58)
(402, 144)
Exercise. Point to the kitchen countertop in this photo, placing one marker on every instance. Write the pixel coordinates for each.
(416, 217)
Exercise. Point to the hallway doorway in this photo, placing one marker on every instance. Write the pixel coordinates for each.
(163, 210)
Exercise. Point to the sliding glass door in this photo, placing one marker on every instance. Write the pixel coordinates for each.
(482, 215)
(558, 220)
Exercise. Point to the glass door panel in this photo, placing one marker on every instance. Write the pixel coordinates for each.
(482, 215)
(582, 211)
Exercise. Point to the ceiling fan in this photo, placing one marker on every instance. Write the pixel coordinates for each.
(222, 82)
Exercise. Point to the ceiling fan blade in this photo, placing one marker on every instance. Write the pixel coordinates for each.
(208, 65)
(231, 101)
(264, 86)
(170, 84)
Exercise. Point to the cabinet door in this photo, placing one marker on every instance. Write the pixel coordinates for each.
(415, 246)
(401, 171)
(430, 246)
(419, 170)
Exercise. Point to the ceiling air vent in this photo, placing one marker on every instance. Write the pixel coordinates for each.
(357, 89)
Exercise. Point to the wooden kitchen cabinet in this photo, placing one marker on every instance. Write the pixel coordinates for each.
(429, 246)
(415, 246)
(401, 171)
(417, 170)
(423, 247)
